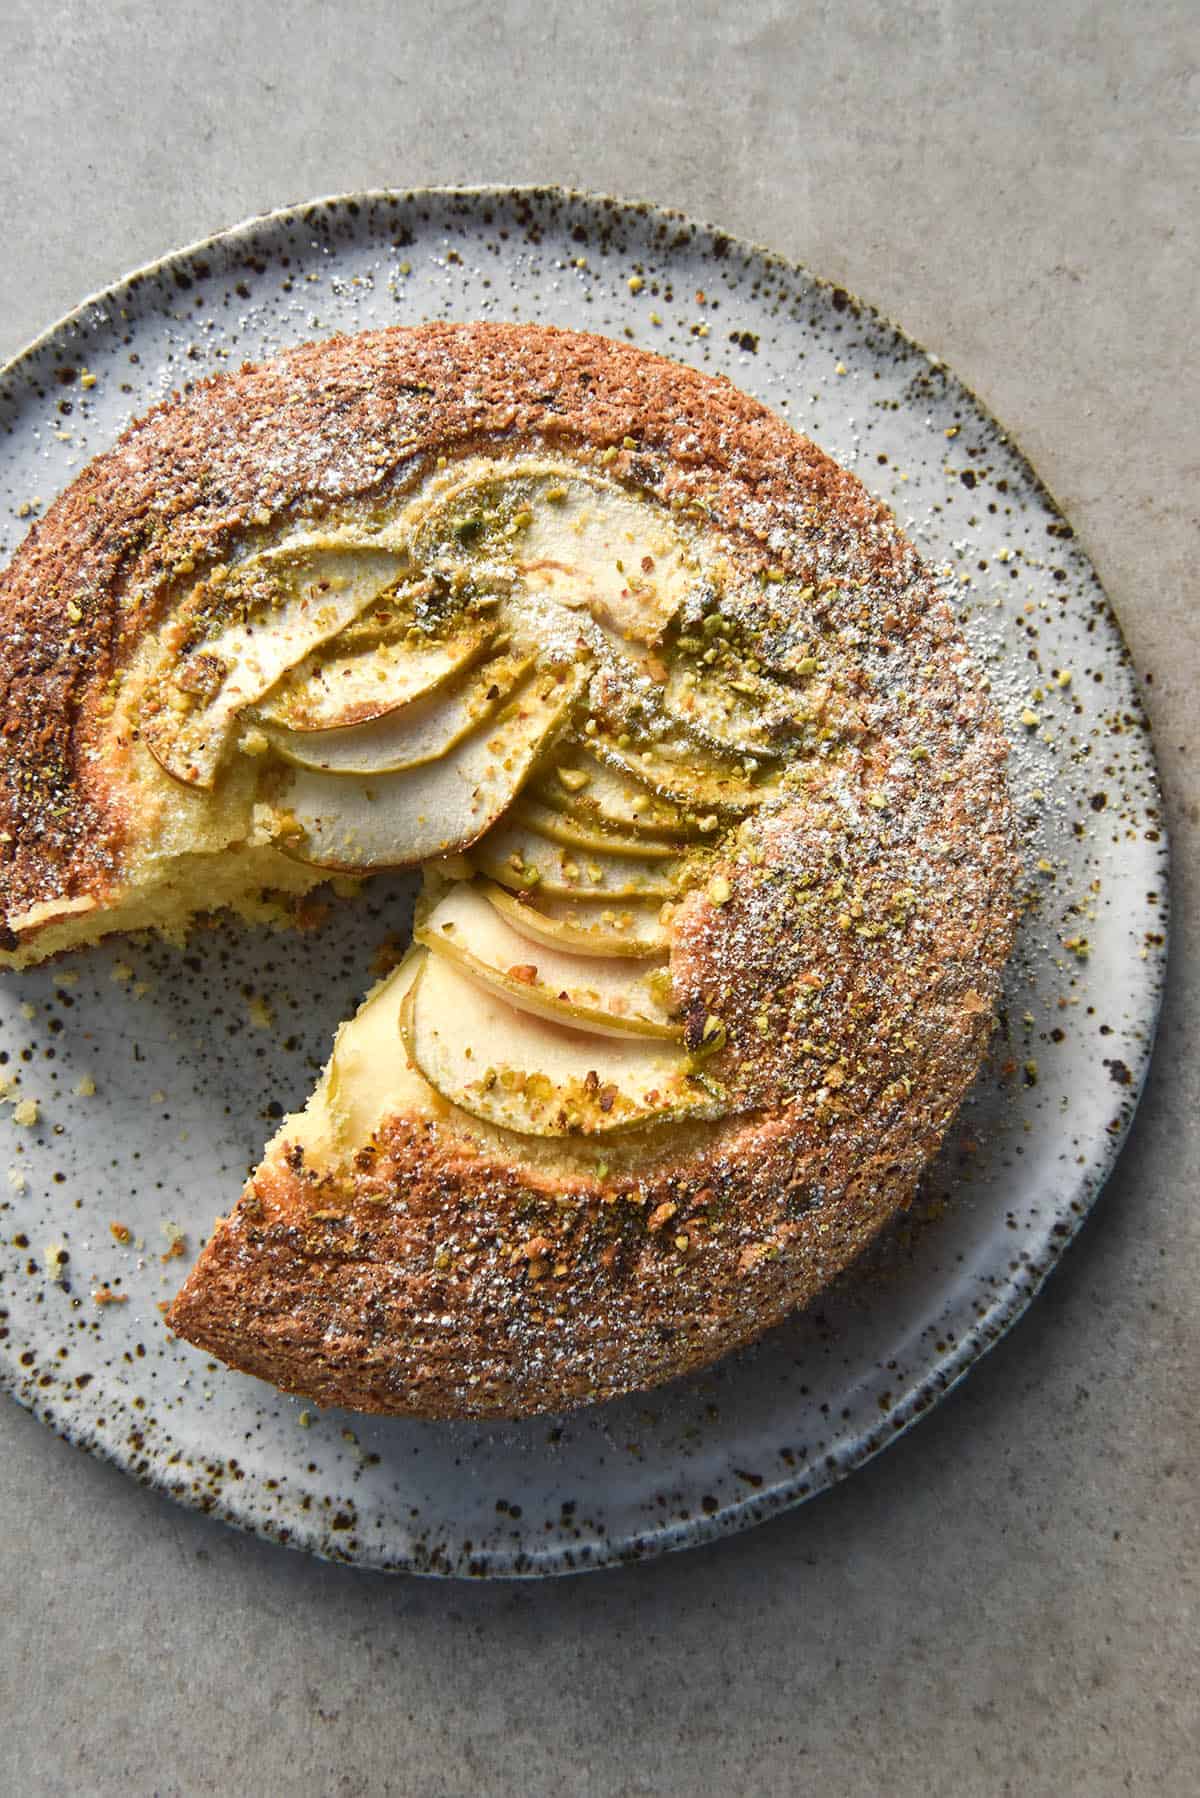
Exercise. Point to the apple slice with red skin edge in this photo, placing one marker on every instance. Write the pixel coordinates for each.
(612, 996)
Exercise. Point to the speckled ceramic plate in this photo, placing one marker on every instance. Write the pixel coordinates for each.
(157, 1073)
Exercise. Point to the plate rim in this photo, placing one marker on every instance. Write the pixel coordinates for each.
(950, 1369)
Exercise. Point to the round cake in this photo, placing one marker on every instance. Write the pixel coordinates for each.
(709, 800)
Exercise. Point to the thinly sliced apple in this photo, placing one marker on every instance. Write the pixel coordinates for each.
(612, 996)
(369, 1077)
(519, 858)
(583, 540)
(566, 828)
(423, 731)
(354, 822)
(526, 1074)
(588, 790)
(266, 615)
(734, 709)
(625, 927)
(591, 545)
(679, 769)
(335, 691)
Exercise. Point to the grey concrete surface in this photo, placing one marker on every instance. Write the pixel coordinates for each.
(1007, 1601)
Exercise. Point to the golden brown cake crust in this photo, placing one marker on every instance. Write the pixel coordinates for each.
(855, 964)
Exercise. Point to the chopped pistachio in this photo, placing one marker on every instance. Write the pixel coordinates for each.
(713, 1037)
